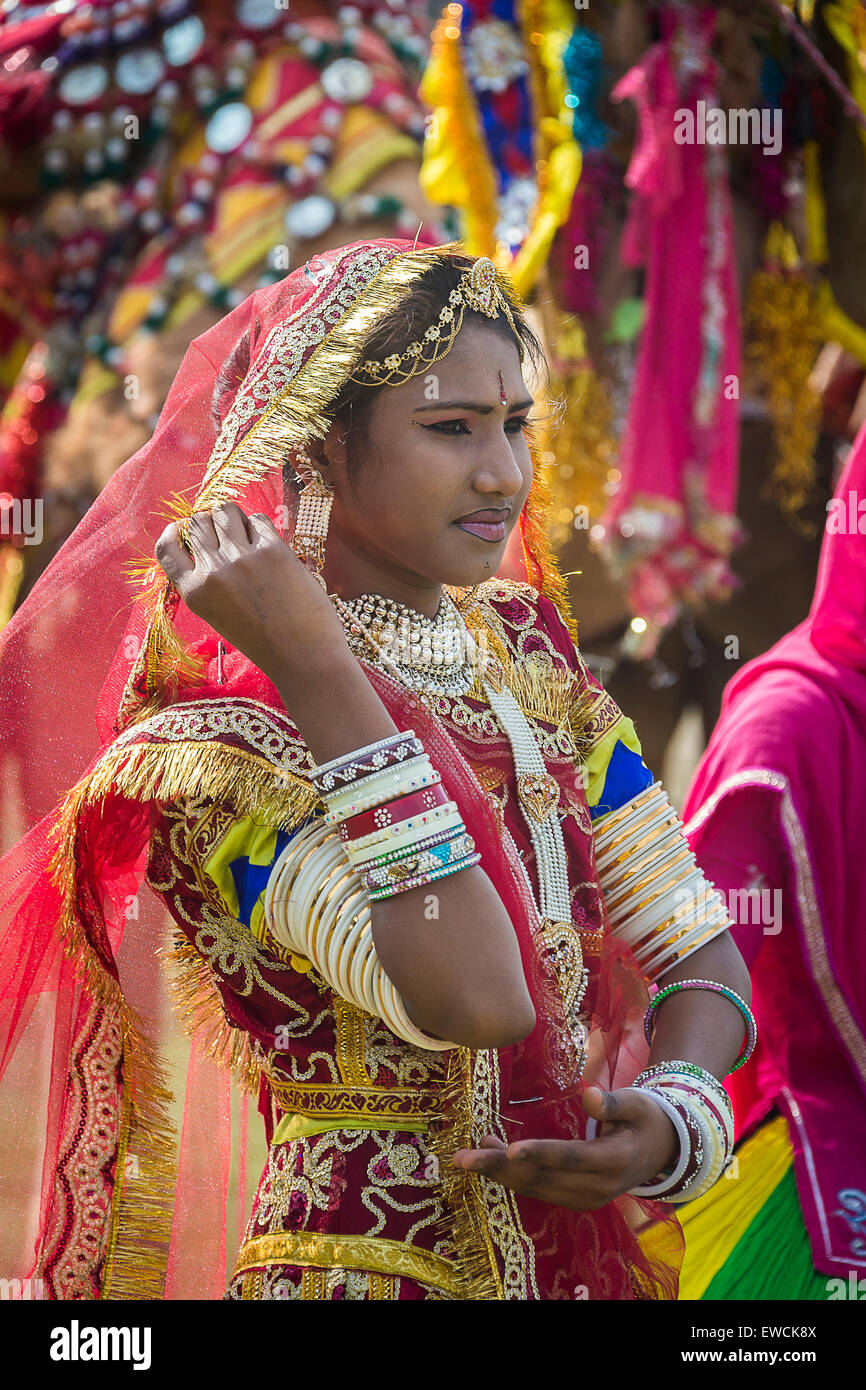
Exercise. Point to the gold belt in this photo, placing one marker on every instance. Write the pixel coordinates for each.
(373, 1253)
(318, 1102)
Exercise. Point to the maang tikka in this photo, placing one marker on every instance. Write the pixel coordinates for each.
(314, 511)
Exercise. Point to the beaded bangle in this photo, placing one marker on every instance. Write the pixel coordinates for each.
(685, 1069)
(396, 784)
(381, 875)
(666, 1182)
(421, 879)
(706, 1169)
(713, 985)
(701, 1154)
(722, 1117)
(709, 1148)
(375, 861)
(439, 817)
(698, 1095)
(413, 767)
(405, 843)
(376, 755)
(392, 812)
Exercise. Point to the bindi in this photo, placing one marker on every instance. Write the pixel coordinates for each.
(503, 399)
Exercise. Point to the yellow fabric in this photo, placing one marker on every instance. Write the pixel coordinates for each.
(597, 760)
(715, 1223)
(245, 840)
(299, 1126)
(456, 168)
(367, 144)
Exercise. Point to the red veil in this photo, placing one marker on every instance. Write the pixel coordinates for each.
(89, 1153)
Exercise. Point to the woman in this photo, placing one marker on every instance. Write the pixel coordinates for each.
(398, 1038)
(772, 812)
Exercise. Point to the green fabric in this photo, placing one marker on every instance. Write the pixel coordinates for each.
(773, 1258)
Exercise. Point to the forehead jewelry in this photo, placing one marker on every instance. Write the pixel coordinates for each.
(503, 399)
(477, 289)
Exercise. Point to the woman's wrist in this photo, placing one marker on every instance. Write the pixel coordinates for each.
(332, 704)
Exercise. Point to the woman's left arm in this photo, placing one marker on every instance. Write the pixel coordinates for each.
(636, 1140)
(703, 1026)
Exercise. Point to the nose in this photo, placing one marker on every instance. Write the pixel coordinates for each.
(497, 471)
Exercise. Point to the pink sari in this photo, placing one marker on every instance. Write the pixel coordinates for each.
(779, 798)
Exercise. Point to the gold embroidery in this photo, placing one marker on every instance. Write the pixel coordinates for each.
(354, 1103)
(350, 1044)
(466, 1224)
(81, 1210)
(372, 1253)
(381, 1286)
(516, 1250)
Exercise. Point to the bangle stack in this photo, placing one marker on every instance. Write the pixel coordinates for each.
(399, 828)
(751, 1028)
(701, 1113)
(317, 899)
(657, 898)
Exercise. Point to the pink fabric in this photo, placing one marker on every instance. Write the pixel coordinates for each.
(783, 784)
(679, 467)
(197, 1266)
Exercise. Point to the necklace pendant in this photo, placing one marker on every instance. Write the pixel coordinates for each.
(539, 794)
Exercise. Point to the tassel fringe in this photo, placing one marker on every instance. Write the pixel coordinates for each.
(200, 1010)
(465, 1221)
(146, 1164)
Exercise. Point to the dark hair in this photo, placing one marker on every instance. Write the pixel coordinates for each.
(404, 325)
(229, 378)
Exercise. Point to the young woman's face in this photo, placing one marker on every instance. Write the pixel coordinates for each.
(440, 447)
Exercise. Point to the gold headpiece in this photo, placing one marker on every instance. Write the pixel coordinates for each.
(477, 289)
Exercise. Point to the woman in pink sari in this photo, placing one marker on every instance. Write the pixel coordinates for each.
(774, 814)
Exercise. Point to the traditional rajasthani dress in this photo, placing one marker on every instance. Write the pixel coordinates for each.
(773, 810)
(167, 784)
(349, 1204)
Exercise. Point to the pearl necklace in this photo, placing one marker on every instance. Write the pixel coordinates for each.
(438, 654)
(539, 793)
(433, 655)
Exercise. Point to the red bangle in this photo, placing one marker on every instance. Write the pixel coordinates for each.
(391, 812)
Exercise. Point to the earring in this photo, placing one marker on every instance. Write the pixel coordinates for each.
(314, 512)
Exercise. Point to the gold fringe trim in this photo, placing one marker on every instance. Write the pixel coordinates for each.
(543, 692)
(465, 1222)
(141, 1216)
(199, 1006)
(542, 566)
(144, 1192)
(145, 1177)
(165, 772)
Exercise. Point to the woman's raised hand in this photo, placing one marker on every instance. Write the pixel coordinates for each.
(248, 584)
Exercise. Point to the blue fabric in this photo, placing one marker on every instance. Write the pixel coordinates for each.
(250, 880)
(627, 774)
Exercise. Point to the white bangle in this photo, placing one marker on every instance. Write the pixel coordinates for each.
(415, 768)
(679, 1124)
(317, 907)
